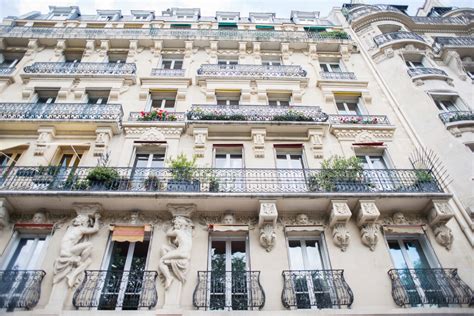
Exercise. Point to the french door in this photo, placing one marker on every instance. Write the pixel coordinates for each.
(229, 281)
(147, 171)
(123, 280)
(290, 171)
(233, 178)
(376, 172)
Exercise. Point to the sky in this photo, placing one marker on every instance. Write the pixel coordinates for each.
(282, 8)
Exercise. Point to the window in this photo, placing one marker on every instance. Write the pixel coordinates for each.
(331, 67)
(448, 102)
(97, 96)
(8, 160)
(115, 57)
(26, 253)
(271, 61)
(348, 107)
(149, 160)
(289, 159)
(59, 16)
(104, 18)
(10, 60)
(180, 26)
(46, 95)
(414, 64)
(470, 73)
(228, 98)
(73, 56)
(172, 63)
(446, 105)
(228, 158)
(228, 62)
(279, 99)
(162, 100)
(372, 162)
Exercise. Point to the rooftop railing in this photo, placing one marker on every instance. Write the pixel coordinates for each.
(442, 287)
(358, 119)
(81, 68)
(60, 111)
(259, 113)
(20, 288)
(216, 180)
(397, 36)
(456, 116)
(303, 289)
(112, 289)
(254, 71)
(425, 71)
(337, 75)
(229, 290)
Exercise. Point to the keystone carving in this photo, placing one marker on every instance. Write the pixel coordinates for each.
(102, 140)
(341, 236)
(369, 233)
(46, 135)
(316, 142)
(443, 235)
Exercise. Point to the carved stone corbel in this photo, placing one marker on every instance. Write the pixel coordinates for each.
(46, 135)
(267, 219)
(296, 96)
(245, 95)
(157, 48)
(181, 94)
(5, 209)
(133, 49)
(32, 47)
(313, 51)
(316, 142)
(438, 217)
(367, 216)
(345, 52)
(242, 52)
(61, 45)
(104, 47)
(338, 218)
(453, 60)
(256, 52)
(90, 48)
(188, 49)
(258, 137)
(388, 52)
(213, 52)
(200, 138)
(285, 51)
(103, 136)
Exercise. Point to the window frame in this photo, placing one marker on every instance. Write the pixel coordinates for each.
(14, 243)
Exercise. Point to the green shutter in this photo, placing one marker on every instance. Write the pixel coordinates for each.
(264, 27)
(180, 25)
(228, 24)
(315, 28)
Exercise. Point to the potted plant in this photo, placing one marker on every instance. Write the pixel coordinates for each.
(425, 181)
(338, 174)
(292, 116)
(152, 183)
(45, 175)
(213, 184)
(183, 175)
(100, 178)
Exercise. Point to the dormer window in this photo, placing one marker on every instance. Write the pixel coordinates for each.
(104, 18)
(59, 16)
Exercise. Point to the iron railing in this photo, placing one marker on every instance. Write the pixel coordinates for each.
(414, 287)
(229, 290)
(425, 71)
(6, 70)
(254, 71)
(358, 119)
(397, 36)
(230, 180)
(338, 75)
(154, 33)
(158, 72)
(20, 288)
(60, 111)
(455, 116)
(145, 116)
(304, 289)
(81, 68)
(440, 20)
(258, 113)
(445, 41)
(111, 289)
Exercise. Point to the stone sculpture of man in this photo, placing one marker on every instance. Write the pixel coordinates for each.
(228, 219)
(175, 257)
(74, 256)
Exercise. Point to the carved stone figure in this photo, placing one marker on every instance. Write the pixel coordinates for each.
(39, 218)
(399, 219)
(302, 219)
(228, 219)
(341, 236)
(267, 237)
(369, 234)
(443, 236)
(4, 217)
(74, 256)
(175, 257)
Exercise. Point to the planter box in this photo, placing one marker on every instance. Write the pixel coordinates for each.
(184, 186)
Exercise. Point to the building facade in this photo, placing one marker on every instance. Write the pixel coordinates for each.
(182, 164)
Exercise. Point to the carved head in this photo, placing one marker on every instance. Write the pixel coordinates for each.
(444, 236)
(81, 220)
(39, 218)
(181, 222)
(228, 219)
(4, 217)
(399, 218)
(134, 217)
(302, 219)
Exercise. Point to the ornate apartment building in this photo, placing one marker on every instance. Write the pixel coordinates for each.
(180, 164)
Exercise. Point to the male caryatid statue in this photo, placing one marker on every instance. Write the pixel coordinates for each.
(75, 249)
(176, 257)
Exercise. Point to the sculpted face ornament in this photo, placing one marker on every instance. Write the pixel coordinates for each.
(39, 218)
(302, 219)
(228, 219)
(399, 219)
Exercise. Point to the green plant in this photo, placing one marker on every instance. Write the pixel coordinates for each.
(182, 168)
(333, 34)
(292, 116)
(103, 176)
(336, 170)
(213, 183)
(152, 183)
(423, 176)
(48, 170)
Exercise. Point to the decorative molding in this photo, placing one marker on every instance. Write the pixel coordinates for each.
(45, 137)
(200, 139)
(267, 220)
(316, 142)
(369, 234)
(103, 136)
(438, 217)
(363, 135)
(183, 210)
(5, 209)
(169, 132)
(341, 236)
(399, 218)
(367, 215)
(258, 137)
(340, 214)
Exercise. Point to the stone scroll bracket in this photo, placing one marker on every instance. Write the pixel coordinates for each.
(103, 136)
(267, 221)
(258, 137)
(315, 137)
(184, 210)
(200, 138)
(438, 216)
(46, 134)
(88, 209)
(339, 215)
(367, 215)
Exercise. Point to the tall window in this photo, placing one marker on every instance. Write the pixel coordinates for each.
(446, 105)
(172, 62)
(10, 60)
(279, 99)
(97, 96)
(289, 159)
(349, 106)
(46, 95)
(331, 67)
(290, 172)
(414, 64)
(372, 161)
(228, 158)
(228, 98)
(162, 100)
(27, 253)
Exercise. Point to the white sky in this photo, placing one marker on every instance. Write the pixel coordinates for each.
(208, 7)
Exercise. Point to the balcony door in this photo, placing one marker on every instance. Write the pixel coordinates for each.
(376, 172)
(229, 279)
(123, 280)
(229, 169)
(311, 287)
(290, 171)
(414, 267)
(64, 172)
(147, 171)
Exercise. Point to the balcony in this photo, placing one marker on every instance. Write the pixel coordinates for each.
(81, 69)
(415, 287)
(70, 114)
(456, 116)
(157, 116)
(460, 41)
(20, 288)
(6, 70)
(339, 119)
(157, 34)
(252, 71)
(398, 37)
(111, 290)
(337, 75)
(168, 73)
(216, 180)
(425, 73)
(229, 290)
(305, 289)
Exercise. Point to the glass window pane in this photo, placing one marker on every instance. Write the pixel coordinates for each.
(378, 162)
(218, 256)
(178, 64)
(156, 104)
(169, 104)
(340, 108)
(238, 255)
(272, 102)
(221, 161)
(335, 68)
(353, 108)
(34, 264)
(166, 64)
(21, 255)
(397, 255)
(233, 102)
(415, 252)
(157, 161)
(314, 255)
(324, 67)
(450, 106)
(141, 161)
(118, 255)
(296, 255)
(296, 161)
(139, 256)
(284, 103)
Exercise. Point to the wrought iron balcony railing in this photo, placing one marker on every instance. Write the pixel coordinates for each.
(6, 70)
(157, 116)
(258, 113)
(424, 71)
(154, 33)
(359, 119)
(414, 287)
(231, 180)
(440, 20)
(338, 75)
(112, 289)
(254, 71)
(229, 290)
(60, 111)
(304, 289)
(20, 288)
(158, 72)
(397, 36)
(455, 116)
(461, 41)
(81, 68)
